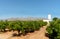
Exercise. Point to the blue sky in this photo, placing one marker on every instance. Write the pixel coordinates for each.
(31, 8)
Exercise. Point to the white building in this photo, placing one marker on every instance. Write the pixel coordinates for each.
(48, 19)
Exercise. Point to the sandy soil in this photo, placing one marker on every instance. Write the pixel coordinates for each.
(36, 35)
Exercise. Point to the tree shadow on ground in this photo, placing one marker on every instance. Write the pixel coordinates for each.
(15, 34)
(46, 34)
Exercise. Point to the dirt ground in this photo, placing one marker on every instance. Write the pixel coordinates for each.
(36, 35)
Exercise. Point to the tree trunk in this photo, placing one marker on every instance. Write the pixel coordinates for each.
(4, 30)
(18, 32)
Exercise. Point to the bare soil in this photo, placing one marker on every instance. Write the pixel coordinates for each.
(35, 35)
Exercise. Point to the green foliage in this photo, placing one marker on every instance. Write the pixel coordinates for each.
(55, 18)
(23, 27)
(2, 26)
(54, 29)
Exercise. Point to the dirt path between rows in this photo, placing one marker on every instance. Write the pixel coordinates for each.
(36, 35)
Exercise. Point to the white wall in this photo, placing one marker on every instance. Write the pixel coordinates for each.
(47, 22)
